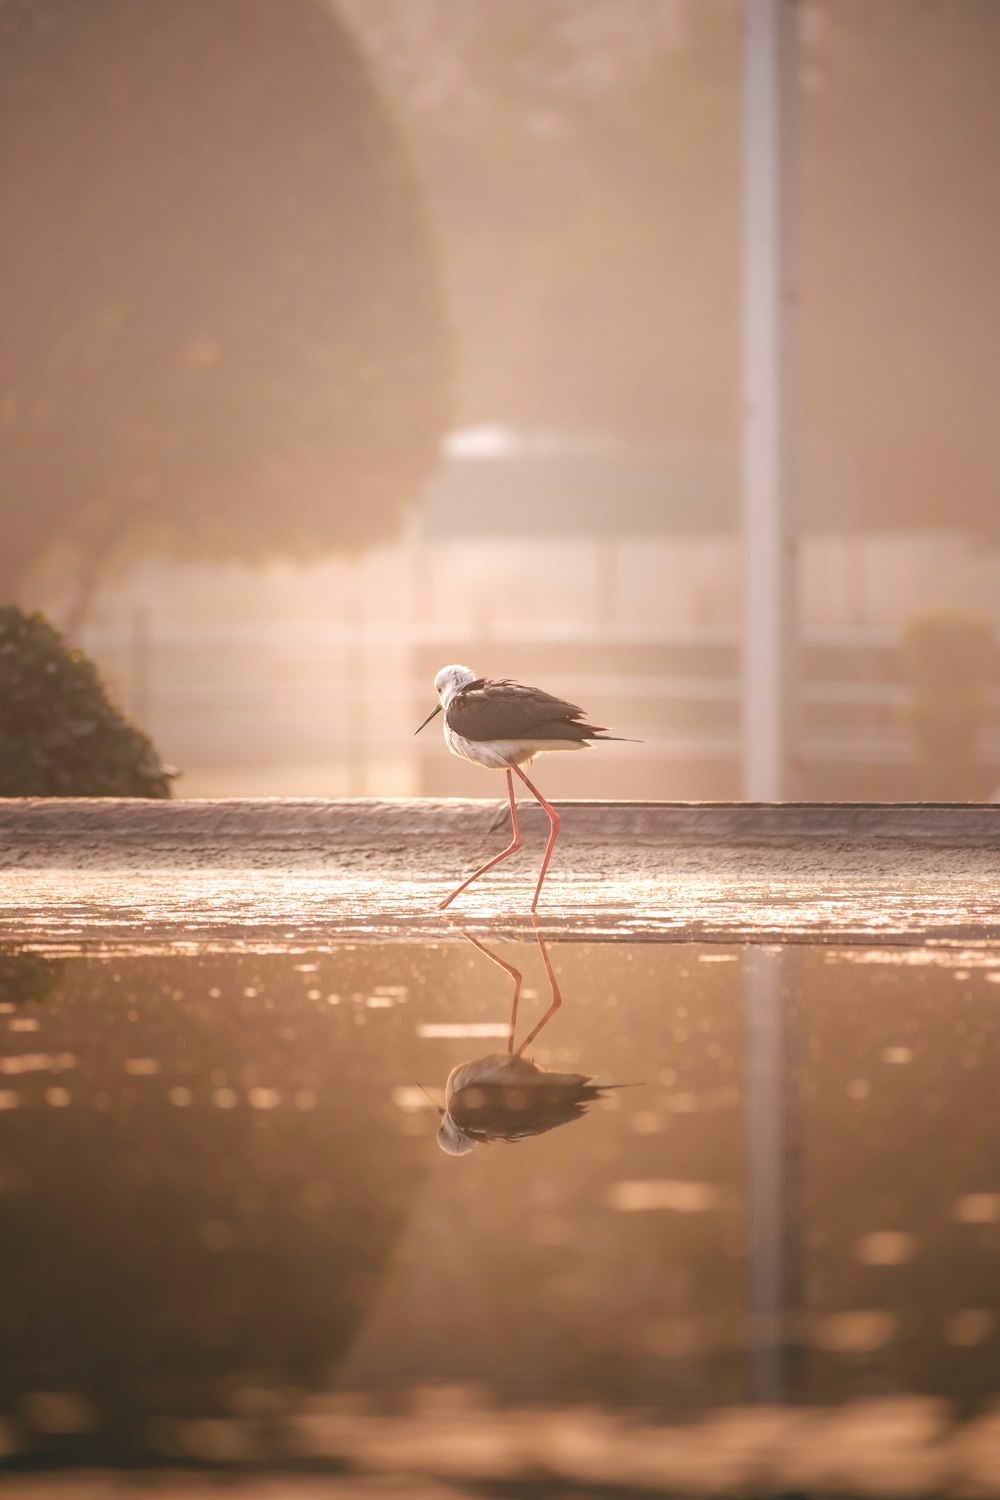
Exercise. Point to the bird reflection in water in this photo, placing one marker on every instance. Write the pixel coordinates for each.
(507, 1096)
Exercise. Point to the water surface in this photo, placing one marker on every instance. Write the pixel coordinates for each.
(224, 1201)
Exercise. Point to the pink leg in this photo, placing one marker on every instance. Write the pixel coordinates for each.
(511, 848)
(553, 832)
(515, 974)
(556, 997)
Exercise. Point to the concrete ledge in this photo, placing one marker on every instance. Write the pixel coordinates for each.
(282, 874)
(62, 830)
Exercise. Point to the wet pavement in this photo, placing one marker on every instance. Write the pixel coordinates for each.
(763, 901)
(280, 874)
(765, 1258)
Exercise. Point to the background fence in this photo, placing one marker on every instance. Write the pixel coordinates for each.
(320, 711)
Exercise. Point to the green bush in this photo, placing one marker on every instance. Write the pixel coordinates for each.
(60, 734)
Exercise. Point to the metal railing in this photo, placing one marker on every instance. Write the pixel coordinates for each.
(268, 693)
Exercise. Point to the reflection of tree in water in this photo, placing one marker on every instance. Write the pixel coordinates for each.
(218, 1226)
(27, 978)
(507, 1096)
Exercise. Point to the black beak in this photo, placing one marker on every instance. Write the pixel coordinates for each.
(420, 1085)
(428, 719)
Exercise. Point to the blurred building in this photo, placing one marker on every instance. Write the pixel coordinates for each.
(607, 572)
(574, 174)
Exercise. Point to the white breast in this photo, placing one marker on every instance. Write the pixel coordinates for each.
(497, 755)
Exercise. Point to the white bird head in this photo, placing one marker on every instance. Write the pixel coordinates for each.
(451, 680)
(448, 682)
(453, 1140)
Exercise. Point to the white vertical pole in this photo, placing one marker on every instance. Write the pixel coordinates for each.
(770, 80)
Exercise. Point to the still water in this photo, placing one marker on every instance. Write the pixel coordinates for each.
(227, 1217)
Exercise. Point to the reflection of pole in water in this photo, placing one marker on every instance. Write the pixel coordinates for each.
(771, 1175)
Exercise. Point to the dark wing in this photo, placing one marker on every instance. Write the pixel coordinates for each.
(505, 710)
(510, 1112)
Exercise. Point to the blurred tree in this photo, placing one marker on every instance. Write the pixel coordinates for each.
(952, 664)
(223, 329)
(900, 245)
(584, 162)
(60, 734)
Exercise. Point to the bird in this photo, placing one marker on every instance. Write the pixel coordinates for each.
(507, 1096)
(502, 725)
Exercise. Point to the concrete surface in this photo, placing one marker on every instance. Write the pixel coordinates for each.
(293, 874)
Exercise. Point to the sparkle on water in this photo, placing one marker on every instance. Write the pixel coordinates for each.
(650, 897)
(232, 1234)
